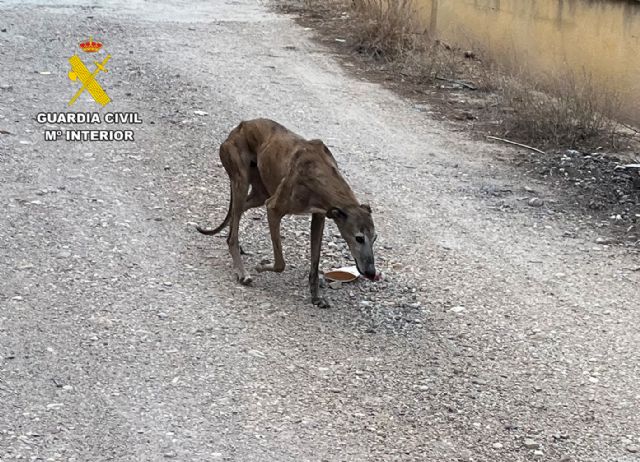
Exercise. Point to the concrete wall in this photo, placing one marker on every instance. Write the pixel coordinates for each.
(600, 38)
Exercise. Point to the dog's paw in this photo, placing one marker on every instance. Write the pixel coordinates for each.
(245, 280)
(321, 302)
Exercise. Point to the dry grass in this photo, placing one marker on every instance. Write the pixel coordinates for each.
(385, 29)
(390, 31)
(562, 111)
(427, 63)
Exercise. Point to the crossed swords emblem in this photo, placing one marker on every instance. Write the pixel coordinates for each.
(88, 79)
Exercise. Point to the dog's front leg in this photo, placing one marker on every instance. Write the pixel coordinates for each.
(317, 227)
(274, 217)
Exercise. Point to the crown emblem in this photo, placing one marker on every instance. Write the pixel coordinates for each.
(90, 46)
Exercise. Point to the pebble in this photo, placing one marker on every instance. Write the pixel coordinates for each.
(538, 453)
(535, 202)
(530, 444)
(335, 285)
(633, 448)
(257, 354)
(604, 241)
(457, 309)
(498, 445)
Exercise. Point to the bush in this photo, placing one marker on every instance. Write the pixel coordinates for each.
(563, 111)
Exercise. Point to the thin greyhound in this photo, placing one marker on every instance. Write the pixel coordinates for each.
(292, 176)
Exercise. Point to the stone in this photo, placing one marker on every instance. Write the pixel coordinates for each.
(633, 448)
(535, 202)
(529, 443)
(335, 285)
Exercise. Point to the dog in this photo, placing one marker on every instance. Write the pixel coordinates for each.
(291, 175)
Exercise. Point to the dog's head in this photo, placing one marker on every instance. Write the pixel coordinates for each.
(356, 227)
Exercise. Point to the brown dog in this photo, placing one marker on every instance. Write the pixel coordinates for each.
(293, 176)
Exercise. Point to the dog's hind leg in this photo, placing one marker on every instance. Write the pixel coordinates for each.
(255, 199)
(234, 163)
(240, 189)
(257, 196)
(274, 216)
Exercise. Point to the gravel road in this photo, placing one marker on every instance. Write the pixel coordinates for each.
(502, 332)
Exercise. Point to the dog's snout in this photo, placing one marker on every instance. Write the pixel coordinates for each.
(370, 272)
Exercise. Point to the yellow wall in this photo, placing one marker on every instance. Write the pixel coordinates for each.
(600, 38)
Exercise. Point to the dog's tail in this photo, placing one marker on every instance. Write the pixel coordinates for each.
(225, 222)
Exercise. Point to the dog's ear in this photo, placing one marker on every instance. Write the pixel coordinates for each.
(366, 207)
(336, 214)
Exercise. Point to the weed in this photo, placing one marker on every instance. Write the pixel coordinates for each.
(559, 111)
(385, 29)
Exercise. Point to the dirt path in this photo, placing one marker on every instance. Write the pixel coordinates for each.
(123, 336)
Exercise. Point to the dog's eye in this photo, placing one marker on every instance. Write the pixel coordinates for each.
(360, 239)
